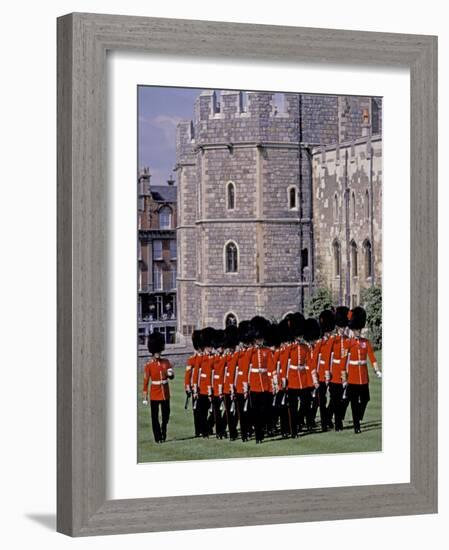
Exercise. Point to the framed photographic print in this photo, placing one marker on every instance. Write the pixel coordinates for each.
(242, 236)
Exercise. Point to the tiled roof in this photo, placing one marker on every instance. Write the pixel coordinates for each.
(164, 193)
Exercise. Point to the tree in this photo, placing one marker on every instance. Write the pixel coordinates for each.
(320, 300)
(372, 302)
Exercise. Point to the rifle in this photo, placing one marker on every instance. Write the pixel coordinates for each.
(245, 406)
(187, 401)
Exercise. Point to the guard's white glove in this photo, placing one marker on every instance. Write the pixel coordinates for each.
(144, 402)
(378, 373)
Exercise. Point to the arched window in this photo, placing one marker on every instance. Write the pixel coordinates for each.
(336, 251)
(367, 253)
(231, 257)
(165, 218)
(292, 203)
(354, 259)
(230, 319)
(367, 205)
(335, 207)
(353, 205)
(230, 193)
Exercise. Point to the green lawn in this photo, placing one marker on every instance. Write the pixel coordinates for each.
(181, 445)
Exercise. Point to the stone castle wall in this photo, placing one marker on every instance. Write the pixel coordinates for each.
(265, 152)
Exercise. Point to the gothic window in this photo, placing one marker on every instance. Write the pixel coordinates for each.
(230, 192)
(157, 277)
(231, 257)
(165, 218)
(367, 205)
(157, 250)
(354, 259)
(335, 207)
(292, 198)
(336, 251)
(216, 102)
(172, 249)
(230, 319)
(353, 205)
(368, 258)
(243, 101)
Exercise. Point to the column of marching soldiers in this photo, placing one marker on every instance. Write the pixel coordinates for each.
(262, 379)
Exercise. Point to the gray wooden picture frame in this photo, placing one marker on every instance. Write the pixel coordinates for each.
(83, 41)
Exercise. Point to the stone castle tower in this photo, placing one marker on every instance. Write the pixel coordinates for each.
(251, 167)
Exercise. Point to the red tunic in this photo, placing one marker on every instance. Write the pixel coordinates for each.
(156, 372)
(297, 373)
(258, 360)
(339, 356)
(205, 374)
(360, 350)
(242, 370)
(324, 347)
(188, 376)
(218, 367)
(229, 372)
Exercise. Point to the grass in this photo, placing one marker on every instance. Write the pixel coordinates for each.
(181, 445)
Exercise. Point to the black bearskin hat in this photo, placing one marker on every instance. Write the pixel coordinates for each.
(232, 336)
(197, 340)
(357, 318)
(272, 335)
(207, 335)
(311, 330)
(297, 322)
(284, 331)
(259, 326)
(156, 342)
(341, 316)
(246, 335)
(218, 339)
(327, 320)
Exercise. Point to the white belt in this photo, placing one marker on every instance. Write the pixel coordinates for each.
(216, 376)
(203, 375)
(336, 361)
(300, 367)
(240, 372)
(322, 362)
(259, 370)
(159, 382)
(358, 362)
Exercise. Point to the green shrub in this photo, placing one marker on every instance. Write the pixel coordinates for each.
(320, 300)
(372, 302)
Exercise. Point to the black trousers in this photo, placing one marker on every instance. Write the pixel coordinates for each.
(196, 417)
(206, 420)
(305, 408)
(322, 402)
(160, 428)
(243, 416)
(259, 406)
(293, 416)
(231, 418)
(337, 405)
(283, 413)
(219, 420)
(358, 395)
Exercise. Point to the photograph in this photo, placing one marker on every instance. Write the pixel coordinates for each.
(259, 274)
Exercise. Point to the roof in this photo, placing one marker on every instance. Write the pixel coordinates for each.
(164, 193)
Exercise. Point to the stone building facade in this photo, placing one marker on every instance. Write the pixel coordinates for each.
(157, 259)
(255, 174)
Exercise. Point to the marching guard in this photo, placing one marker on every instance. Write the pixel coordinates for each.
(242, 379)
(232, 354)
(218, 367)
(327, 326)
(203, 383)
(338, 402)
(360, 350)
(191, 374)
(157, 373)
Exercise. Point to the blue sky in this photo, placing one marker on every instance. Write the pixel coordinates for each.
(159, 111)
